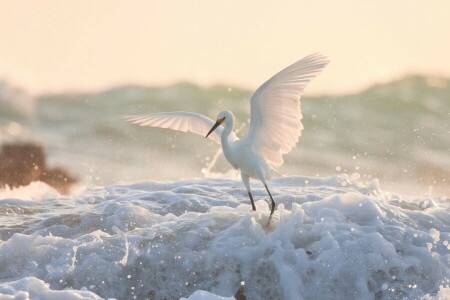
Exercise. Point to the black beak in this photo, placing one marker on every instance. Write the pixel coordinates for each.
(218, 122)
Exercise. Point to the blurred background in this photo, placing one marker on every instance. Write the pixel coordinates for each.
(68, 70)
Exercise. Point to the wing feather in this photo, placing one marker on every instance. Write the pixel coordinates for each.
(182, 121)
(275, 109)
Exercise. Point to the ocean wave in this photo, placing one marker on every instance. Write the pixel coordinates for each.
(330, 238)
(397, 131)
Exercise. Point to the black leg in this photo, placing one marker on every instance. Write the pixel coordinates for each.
(246, 181)
(253, 202)
(273, 202)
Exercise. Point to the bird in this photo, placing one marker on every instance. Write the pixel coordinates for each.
(274, 130)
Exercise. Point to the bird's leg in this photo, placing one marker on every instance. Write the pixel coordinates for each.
(251, 199)
(246, 181)
(271, 198)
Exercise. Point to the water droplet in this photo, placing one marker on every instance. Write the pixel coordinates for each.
(355, 176)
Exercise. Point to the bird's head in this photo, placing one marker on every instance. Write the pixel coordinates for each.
(221, 117)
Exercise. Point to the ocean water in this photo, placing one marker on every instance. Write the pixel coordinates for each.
(363, 204)
(398, 132)
(330, 238)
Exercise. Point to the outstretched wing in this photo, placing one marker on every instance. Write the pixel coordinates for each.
(275, 109)
(182, 121)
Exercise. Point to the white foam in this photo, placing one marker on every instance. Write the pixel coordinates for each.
(203, 295)
(33, 288)
(34, 191)
(186, 238)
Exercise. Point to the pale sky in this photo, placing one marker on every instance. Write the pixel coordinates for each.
(89, 45)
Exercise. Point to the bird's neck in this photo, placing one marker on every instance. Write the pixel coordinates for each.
(229, 125)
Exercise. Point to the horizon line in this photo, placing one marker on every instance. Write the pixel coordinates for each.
(22, 89)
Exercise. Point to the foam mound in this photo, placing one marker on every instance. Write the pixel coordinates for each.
(330, 238)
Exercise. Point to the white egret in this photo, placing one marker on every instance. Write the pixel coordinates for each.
(275, 123)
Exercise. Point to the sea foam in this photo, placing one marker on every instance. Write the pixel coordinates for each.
(199, 239)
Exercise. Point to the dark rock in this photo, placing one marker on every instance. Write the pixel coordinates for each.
(23, 163)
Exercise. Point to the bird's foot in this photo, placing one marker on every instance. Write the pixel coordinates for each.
(270, 223)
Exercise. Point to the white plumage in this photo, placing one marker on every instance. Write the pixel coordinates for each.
(180, 120)
(275, 123)
(275, 109)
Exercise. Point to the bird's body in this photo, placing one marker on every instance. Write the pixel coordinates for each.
(241, 155)
(274, 128)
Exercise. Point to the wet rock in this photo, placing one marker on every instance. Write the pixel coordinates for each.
(23, 163)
